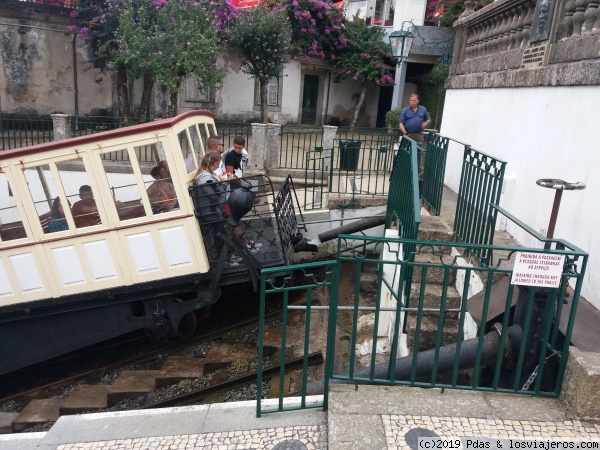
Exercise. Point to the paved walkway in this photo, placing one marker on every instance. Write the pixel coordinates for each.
(367, 418)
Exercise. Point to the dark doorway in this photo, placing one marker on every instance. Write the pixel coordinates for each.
(309, 99)
(385, 104)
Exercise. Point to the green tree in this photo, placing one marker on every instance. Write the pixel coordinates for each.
(261, 37)
(96, 21)
(365, 58)
(176, 40)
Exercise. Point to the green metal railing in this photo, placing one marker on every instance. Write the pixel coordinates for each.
(369, 137)
(296, 143)
(403, 208)
(311, 282)
(229, 130)
(519, 349)
(84, 125)
(316, 175)
(480, 186)
(23, 130)
(435, 168)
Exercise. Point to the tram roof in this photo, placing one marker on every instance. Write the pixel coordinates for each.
(111, 134)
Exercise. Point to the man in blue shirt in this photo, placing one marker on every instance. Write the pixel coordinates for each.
(413, 119)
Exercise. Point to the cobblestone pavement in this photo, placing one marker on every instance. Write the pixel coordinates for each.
(402, 431)
(296, 438)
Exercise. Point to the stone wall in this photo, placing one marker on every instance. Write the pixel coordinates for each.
(525, 43)
(42, 71)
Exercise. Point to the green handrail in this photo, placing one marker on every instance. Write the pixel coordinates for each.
(480, 186)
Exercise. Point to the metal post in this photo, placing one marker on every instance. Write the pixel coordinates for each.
(560, 186)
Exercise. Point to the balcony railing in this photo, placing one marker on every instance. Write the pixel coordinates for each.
(525, 34)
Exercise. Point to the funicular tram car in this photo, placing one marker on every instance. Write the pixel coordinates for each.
(134, 264)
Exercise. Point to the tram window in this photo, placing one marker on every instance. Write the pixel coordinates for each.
(11, 225)
(192, 149)
(80, 195)
(161, 191)
(124, 188)
(43, 190)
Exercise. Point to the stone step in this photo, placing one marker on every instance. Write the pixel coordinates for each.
(433, 297)
(37, 412)
(131, 385)
(85, 398)
(223, 354)
(429, 327)
(434, 228)
(178, 368)
(6, 420)
(435, 275)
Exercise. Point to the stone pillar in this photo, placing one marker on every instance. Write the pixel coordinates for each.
(258, 152)
(62, 126)
(329, 134)
(273, 146)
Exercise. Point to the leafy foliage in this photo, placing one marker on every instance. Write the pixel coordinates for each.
(392, 118)
(432, 93)
(262, 38)
(171, 40)
(444, 13)
(97, 21)
(366, 56)
(317, 28)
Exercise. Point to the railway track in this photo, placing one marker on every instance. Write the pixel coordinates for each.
(163, 376)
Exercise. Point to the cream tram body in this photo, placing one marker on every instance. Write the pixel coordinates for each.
(86, 284)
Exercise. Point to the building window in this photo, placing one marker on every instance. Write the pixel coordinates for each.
(273, 92)
(273, 89)
(193, 94)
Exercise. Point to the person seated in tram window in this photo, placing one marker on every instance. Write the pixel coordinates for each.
(85, 211)
(161, 193)
(57, 217)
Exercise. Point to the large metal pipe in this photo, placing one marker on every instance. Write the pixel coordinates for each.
(446, 358)
(353, 227)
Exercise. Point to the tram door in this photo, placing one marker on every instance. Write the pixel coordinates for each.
(309, 100)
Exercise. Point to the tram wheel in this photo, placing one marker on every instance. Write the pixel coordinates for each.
(186, 329)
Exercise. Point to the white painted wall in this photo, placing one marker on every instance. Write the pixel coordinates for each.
(413, 10)
(542, 132)
(343, 98)
(236, 95)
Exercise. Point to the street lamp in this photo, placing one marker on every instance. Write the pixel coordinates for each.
(401, 41)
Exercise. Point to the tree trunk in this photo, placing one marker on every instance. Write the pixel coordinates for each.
(123, 92)
(173, 97)
(146, 96)
(361, 100)
(264, 84)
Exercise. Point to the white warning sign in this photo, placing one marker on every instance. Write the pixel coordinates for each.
(537, 269)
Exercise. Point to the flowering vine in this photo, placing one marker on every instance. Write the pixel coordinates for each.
(317, 28)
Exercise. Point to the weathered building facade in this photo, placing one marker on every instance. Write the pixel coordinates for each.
(524, 86)
(47, 69)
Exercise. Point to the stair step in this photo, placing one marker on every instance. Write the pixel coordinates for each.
(435, 275)
(6, 420)
(85, 398)
(178, 368)
(37, 412)
(429, 327)
(131, 385)
(433, 228)
(433, 297)
(222, 354)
